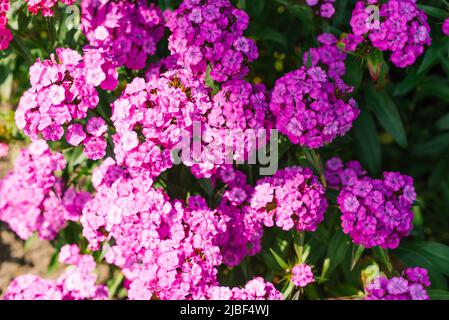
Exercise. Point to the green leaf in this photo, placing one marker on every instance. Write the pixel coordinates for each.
(273, 35)
(23, 20)
(433, 11)
(382, 254)
(435, 87)
(368, 147)
(115, 284)
(443, 122)
(210, 82)
(411, 258)
(325, 270)
(431, 57)
(435, 146)
(279, 260)
(436, 252)
(356, 254)
(408, 84)
(288, 290)
(387, 113)
(438, 294)
(337, 249)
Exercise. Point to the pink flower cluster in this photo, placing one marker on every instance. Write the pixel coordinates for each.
(302, 275)
(244, 231)
(445, 27)
(402, 29)
(127, 30)
(4, 149)
(5, 34)
(165, 249)
(292, 198)
(324, 8)
(76, 283)
(32, 197)
(210, 33)
(328, 56)
(242, 109)
(310, 109)
(339, 174)
(377, 212)
(63, 90)
(255, 289)
(161, 66)
(411, 285)
(171, 110)
(45, 6)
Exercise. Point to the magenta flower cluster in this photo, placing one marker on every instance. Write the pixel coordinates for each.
(242, 108)
(411, 285)
(302, 275)
(5, 33)
(33, 198)
(210, 33)
(63, 90)
(378, 212)
(292, 199)
(129, 30)
(151, 117)
(76, 283)
(328, 56)
(339, 174)
(310, 109)
(323, 8)
(402, 30)
(244, 230)
(165, 249)
(445, 27)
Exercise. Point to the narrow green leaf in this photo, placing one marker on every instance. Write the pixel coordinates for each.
(387, 113)
(368, 147)
(279, 260)
(433, 11)
(408, 84)
(288, 290)
(435, 146)
(356, 254)
(431, 57)
(337, 249)
(437, 253)
(443, 122)
(382, 254)
(438, 294)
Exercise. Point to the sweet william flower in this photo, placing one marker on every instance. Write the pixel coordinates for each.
(210, 33)
(302, 275)
(126, 30)
(375, 212)
(76, 283)
(62, 93)
(402, 30)
(411, 285)
(310, 109)
(32, 198)
(292, 199)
